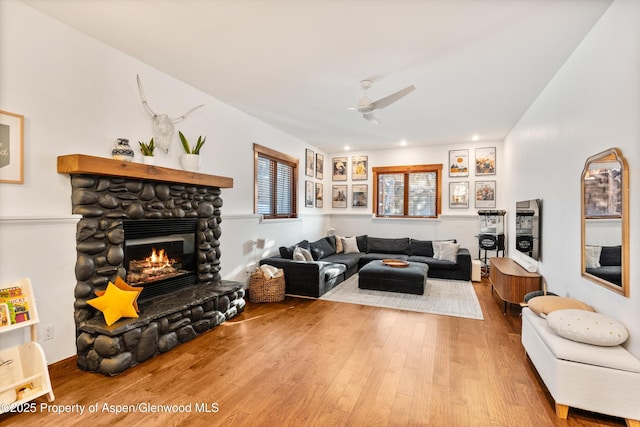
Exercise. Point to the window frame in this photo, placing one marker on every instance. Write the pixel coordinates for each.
(278, 157)
(406, 170)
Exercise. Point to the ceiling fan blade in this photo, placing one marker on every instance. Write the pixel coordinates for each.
(388, 100)
(371, 118)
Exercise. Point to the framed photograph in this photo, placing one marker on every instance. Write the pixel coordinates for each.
(486, 161)
(359, 167)
(319, 166)
(485, 194)
(459, 195)
(309, 194)
(309, 168)
(359, 196)
(339, 168)
(339, 196)
(11, 148)
(319, 195)
(458, 162)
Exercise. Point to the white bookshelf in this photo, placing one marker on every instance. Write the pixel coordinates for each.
(28, 366)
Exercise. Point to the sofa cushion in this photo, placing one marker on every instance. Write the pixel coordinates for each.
(322, 248)
(434, 264)
(350, 260)
(388, 246)
(587, 327)
(287, 252)
(422, 248)
(302, 254)
(445, 251)
(362, 242)
(592, 256)
(611, 256)
(544, 305)
(350, 245)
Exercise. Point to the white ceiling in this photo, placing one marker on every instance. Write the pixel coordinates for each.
(477, 64)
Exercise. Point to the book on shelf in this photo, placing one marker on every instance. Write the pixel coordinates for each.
(14, 306)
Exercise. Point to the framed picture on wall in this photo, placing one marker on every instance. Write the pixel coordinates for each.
(309, 168)
(458, 162)
(486, 161)
(319, 194)
(319, 166)
(339, 196)
(339, 168)
(11, 148)
(459, 195)
(309, 194)
(359, 195)
(485, 194)
(359, 167)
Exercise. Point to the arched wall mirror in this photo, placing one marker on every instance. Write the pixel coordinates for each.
(605, 220)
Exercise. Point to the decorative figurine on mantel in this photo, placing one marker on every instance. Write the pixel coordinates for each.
(163, 128)
(122, 150)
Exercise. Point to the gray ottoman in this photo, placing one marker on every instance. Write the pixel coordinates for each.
(380, 277)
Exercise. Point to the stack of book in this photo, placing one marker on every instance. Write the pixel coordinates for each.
(14, 307)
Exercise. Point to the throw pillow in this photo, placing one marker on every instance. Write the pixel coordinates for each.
(350, 245)
(306, 254)
(544, 305)
(339, 248)
(592, 256)
(297, 254)
(449, 251)
(287, 252)
(321, 248)
(587, 327)
(611, 256)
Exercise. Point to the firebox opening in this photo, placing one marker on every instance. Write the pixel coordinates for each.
(160, 255)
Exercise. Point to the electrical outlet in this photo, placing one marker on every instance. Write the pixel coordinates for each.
(47, 332)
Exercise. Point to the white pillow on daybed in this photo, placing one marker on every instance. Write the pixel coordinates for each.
(587, 327)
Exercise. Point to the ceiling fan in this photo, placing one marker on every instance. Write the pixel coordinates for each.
(366, 106)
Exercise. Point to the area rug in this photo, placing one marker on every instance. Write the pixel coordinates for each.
(447, 297)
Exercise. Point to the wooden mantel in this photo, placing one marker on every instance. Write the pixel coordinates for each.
(74, 164)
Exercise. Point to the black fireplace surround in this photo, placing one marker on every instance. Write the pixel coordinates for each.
(181, 218)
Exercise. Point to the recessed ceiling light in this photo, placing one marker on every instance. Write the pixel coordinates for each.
(403, 142)
(347, 148)
(475, 137)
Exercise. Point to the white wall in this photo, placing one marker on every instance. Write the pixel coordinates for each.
(592, 104)
(78, 96)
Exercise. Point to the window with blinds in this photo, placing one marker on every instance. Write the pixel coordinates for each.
(276, 175)
(408, 191)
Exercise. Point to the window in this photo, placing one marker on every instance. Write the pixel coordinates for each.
(408, 191)
(276, 175)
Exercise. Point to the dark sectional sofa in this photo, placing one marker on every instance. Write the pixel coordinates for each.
(610, 265)
(328, 268)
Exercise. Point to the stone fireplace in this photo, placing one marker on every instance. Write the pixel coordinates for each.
(157, 228)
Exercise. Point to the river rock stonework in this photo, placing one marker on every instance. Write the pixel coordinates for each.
(166, 320)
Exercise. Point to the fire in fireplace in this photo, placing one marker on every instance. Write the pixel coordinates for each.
(160, 254)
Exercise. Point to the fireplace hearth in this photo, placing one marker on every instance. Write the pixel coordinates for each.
(155, 227)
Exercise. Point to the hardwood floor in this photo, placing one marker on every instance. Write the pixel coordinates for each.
(308, 362)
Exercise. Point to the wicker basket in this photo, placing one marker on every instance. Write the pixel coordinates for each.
(262, 289)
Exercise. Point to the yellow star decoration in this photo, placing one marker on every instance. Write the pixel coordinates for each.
(124, 286)
(115, 303)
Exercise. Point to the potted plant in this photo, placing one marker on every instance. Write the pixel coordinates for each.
(190, 160)
(147, 152)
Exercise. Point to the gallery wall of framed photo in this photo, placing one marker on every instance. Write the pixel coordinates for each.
(356, 170)
(479, 163)
(471, 181)
(313, 168)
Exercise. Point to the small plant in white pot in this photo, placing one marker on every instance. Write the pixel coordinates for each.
(190, 160)
(147, 152)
